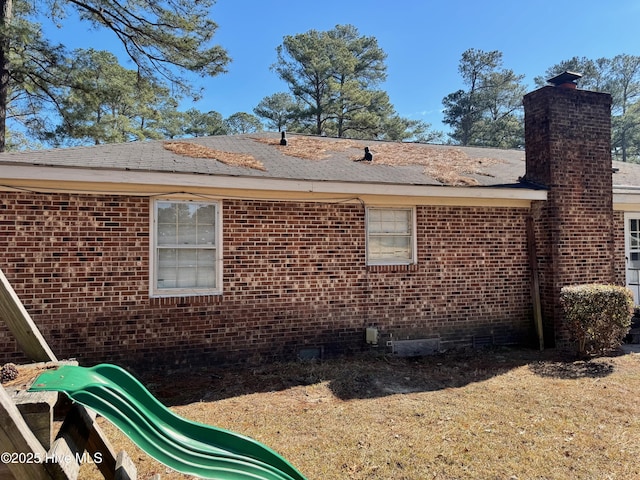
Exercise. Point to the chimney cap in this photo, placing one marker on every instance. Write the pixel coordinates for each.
(564, 78)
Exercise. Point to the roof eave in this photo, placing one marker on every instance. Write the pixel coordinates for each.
(146, 183)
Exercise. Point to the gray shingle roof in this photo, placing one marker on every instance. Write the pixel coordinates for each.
(330, 160)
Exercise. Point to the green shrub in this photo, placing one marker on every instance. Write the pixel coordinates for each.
(597, 316)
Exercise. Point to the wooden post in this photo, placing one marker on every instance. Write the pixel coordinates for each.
(21, 325)
(79, 434)
(125, 468)
(17, 438)
(535, 282)
(37, 410)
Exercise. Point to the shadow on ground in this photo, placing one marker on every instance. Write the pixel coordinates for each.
(367, 376)
(573, 369)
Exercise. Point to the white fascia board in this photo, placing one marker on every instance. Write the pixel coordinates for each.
(430, 191)
(153, 182)
(626, 198)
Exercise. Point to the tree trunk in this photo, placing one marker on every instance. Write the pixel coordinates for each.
(319, 122)
(6, 11)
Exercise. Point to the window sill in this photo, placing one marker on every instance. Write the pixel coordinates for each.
(186, 300)
(410, 267)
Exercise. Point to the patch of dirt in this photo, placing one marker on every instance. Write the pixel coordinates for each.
(596, 368)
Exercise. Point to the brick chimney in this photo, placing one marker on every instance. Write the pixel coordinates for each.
(568, 152)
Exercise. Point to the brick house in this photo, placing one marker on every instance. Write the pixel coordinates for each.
(234, 249)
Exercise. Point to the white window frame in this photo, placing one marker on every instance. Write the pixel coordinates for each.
(156, 291)
(413, 244)
(631, 274)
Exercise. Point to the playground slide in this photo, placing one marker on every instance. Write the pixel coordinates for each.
(183, 445)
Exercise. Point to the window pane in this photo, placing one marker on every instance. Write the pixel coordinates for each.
(186, 224)
(206, 215)
(186, 213)
(167, 212)
(183, 223)
(186, 277)
(207, 258)
(186, 268)
(389, 221)
(375, 248)
(187, 234)
(206, 274)
(167, 258)
(187, 258)
(167, 233)
(390, 247)
(167, 217)
(206, 234)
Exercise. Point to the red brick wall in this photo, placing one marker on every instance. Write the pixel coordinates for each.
(568, 150)
(295, 276)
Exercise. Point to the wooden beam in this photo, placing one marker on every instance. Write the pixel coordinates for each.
(21, 325)
(535, 282)
(17, 438)
(37, 410)
(67, 469)
(79, 434)
(125, 468)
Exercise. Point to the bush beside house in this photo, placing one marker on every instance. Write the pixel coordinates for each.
(597, 316)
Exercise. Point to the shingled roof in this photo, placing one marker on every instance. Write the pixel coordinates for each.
(305, 158)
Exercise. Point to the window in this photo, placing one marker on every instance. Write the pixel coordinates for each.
(390, 236)
(186, 257)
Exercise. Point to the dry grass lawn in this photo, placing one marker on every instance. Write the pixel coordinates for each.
(501, 414)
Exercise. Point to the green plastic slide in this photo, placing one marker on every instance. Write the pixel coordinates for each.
(183, 445)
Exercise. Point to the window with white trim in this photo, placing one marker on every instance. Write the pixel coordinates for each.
(391, 236)
(187, 252)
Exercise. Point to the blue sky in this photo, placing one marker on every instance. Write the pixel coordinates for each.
(423, 40)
